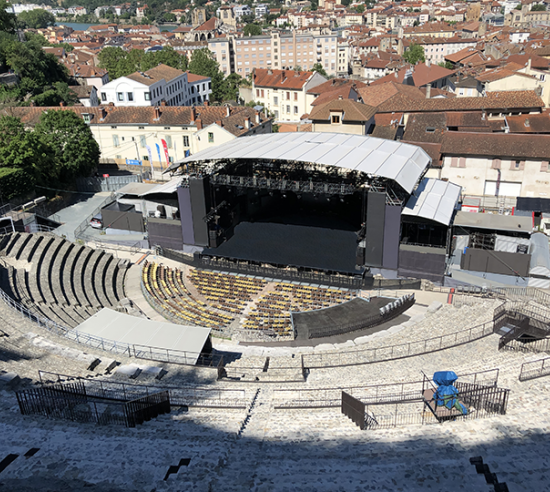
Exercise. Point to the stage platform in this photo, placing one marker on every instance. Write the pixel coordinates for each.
(293, 245)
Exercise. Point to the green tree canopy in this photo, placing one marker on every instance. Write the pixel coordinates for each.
(120, 63)
(7, 19)
(203, 64)
(318, 67)
(71, 143)
(414, 54)
(252, 30)
(538, 8)
(36, 19)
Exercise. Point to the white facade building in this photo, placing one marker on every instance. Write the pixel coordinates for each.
(162, 83)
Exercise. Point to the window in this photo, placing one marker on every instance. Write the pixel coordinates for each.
(257, 92)
(186, 141)
(120, 96)
(103, 96)
(275, 100)
(262, 93)
(288, 109)
(295, 109)
(288, 96)
(335, 119)
(210, 137)
(142, 140)
(168, 139)
(145, 157)
(115, 141)
(430, 129)
(296, 94)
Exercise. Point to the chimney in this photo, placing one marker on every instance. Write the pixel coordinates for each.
(428, 63)
(257, 117)
(283, 77)
(193, 114)
(428, 91)
(269, 71)
(198, 123)
(103, 113)
(228, 114)
(157, 113)
(33, 104)
(396, 74)
(62, 104)
(340, 97)
(219, 123)
(205, 104)
(528, 68)
(163, 103)
(247, 122)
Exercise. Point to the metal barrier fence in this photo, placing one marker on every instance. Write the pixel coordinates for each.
(371, 395)
(535, 346)
(535, 369)
(146, 408)
(112, 183)
(179, 395)
(126, 349)
(86, 222)
(399, 351)
(244, 268)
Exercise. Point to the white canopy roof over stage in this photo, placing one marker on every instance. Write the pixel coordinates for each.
(403, 163)
(131, 330)
(433, 199)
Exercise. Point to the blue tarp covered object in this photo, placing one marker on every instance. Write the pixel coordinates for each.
(446, 394)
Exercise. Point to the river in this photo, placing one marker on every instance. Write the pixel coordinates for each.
(82, 27)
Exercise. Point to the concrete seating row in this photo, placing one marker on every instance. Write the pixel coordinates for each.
(60, 280)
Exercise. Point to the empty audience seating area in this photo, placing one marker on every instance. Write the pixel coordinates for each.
(228, 293)
(272, 310)
(62, 281)
(167, 288)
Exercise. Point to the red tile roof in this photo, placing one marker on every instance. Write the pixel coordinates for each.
(497, 145)
(281, 79)
(155, 74)
(351, 111)
(422, 74)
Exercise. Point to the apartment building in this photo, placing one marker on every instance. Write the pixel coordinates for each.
(162, 83)
(284, 92)
(278, 51)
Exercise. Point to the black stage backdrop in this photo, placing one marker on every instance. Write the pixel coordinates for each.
(311, 247)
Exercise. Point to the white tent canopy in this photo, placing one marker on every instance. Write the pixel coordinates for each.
(403, 163)
(434, 200)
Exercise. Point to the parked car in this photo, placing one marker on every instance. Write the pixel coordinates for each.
(97, 221)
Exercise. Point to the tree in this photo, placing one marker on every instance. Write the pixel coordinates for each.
(169, 17)
(203, 64)
(318, 67)
(448, 65)
(252, 30)
(231, 87)
(36, 19)
(7, 19)
(360, 8)
(518, 6)
(414, 54)
(22, 149)
(538, 8)
(71, 143)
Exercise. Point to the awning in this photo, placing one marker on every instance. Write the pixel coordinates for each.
(433, 199)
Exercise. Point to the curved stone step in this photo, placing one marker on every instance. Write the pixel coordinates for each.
(33, 248)
(33, 278)
(45, 270)
(57, 270)
(88, 278)
(24, 252)
(14, 238)
(109, 281)
(122, 269)
(99, 279)
(78, 276)
(68, 274)
(19, 246)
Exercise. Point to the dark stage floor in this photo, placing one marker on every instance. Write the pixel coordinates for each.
(312, 247)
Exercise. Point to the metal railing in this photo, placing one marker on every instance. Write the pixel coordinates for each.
(86, 222)
(378, 394)
(194, 396)
(535, 369)
(113, 245)
(399, 351)
(126, 349)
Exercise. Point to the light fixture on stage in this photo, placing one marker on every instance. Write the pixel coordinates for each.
(299, 197)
